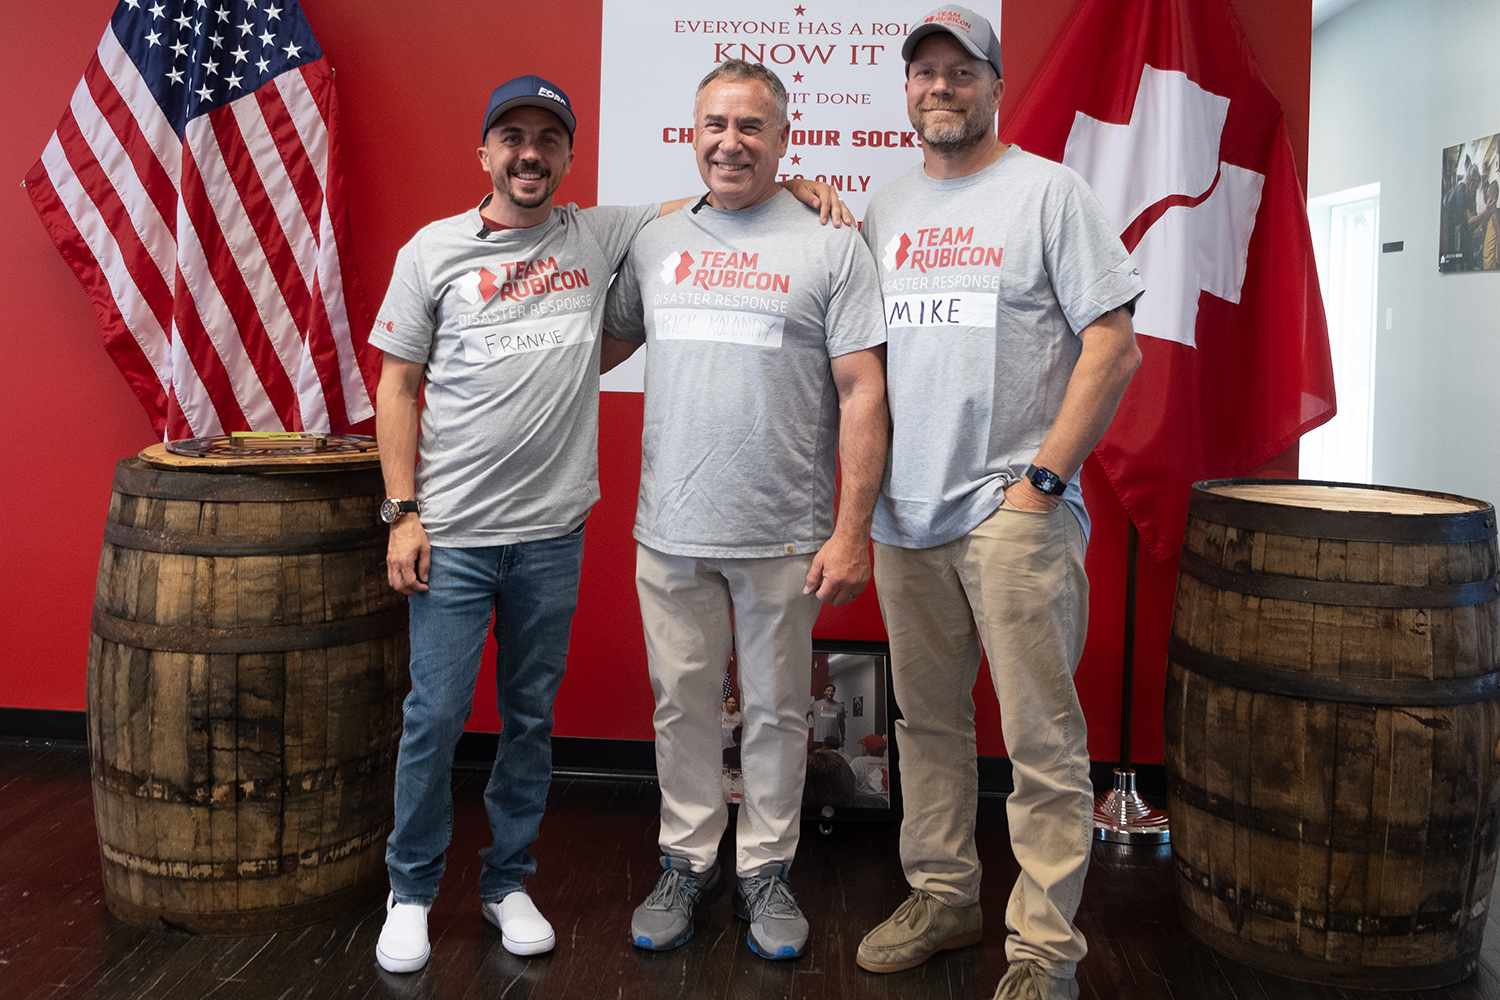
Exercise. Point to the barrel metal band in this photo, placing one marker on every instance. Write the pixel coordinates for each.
(247, 868)
(377, 767)
(1339, 593)
(1241, 901)
(1348, 837)
(135, 478)
(1474, 525)
(249, 638)
(1411, 692)
(145, 540)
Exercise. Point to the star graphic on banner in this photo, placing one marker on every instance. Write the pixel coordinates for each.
(240, 55)
(157, 10)
(267, 38)
(796, 159)
(211, 66)
(180, 49)
(233, 82)
(262, 64)
(796, 77)
(204, 93)
(800, 10)
(133, 4)
(292, 50)
(222, 14)
(273, 13)
(796, 116)
(175, 75)
(246, 27)
(153, 39)
(218, 41)
(184, 22)
(202, 4)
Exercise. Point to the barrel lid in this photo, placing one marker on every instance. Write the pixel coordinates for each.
(265, 453)
(1351, 511)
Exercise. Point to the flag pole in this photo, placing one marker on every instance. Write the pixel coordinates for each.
(1121, 816)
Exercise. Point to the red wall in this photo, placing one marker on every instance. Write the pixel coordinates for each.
(412, 80)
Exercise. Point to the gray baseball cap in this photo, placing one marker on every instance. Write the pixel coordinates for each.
(973, 32)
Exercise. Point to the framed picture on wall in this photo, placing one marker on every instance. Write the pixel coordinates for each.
(1469, 239)
(850, 750)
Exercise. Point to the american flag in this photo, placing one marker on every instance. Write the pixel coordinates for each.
(191, 185)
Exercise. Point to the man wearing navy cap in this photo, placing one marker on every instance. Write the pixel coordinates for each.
(1007, 296)
(497, 312)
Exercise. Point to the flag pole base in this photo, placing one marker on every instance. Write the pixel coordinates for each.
(1122, 817)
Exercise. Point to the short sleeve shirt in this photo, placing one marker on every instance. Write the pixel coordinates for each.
(506, 323)
(988, 280)
(741, 312)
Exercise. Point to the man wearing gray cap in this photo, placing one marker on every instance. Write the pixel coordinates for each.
(497, 311)
(1007, 303)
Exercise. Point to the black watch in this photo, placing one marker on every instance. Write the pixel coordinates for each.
(391, 509)
(1046, 480)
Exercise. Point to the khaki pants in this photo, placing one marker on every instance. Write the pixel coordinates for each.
(686, 607)
(1015, 584)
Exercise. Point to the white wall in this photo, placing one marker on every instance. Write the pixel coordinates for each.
(1393, 83)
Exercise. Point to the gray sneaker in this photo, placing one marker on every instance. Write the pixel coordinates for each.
(665, 920)
(777, 927)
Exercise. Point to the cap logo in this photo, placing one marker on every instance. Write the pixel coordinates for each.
(544, 92)
(949, 17)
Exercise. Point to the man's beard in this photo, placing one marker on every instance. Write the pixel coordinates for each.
(550, 184)
(955, 137)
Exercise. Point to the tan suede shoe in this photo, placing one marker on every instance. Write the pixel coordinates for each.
(1029, 981)
(920, 928)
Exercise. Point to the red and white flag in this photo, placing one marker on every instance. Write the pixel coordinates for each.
(192, 187)
(1159, 105)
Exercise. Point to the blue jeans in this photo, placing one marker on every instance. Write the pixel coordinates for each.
(532, 588)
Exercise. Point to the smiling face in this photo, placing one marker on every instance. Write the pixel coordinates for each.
(951, 97)
(739, 140)
(527, 154)
(828, 693)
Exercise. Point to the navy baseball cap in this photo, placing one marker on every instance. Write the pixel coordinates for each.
(973, 32)
(529, 92)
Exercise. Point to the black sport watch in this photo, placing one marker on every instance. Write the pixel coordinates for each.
(391, 509)
(1046, 480)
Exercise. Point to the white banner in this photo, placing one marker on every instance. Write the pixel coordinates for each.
(839, 59)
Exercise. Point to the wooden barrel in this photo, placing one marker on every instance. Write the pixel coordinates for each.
(1331, 730)
(246, 671)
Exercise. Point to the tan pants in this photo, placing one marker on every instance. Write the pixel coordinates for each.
(685, 607)
(1016, 584)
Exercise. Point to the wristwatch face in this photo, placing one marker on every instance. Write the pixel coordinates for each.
(390, 509)
(1047, 481)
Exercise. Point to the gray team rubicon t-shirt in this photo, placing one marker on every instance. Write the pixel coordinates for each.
(988, 280)
(507, 324)
(741, 313)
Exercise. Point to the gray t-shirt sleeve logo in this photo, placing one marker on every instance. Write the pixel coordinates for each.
(405, 324)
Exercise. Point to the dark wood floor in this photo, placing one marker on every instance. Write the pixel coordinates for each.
(597, 857)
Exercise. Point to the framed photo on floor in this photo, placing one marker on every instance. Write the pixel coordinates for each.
(851, 758)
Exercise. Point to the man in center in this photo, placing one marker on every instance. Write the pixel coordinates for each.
(766, 357)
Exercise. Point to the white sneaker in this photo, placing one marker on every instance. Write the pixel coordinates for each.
(523, 929)
(403, 943)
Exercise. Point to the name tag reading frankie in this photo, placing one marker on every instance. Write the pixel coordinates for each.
(483, 344)
(724, 326)
(941, 309)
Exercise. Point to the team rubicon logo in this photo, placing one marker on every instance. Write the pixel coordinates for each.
(949, 17)
(516, 280)
(939, 247)
(710, 269)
